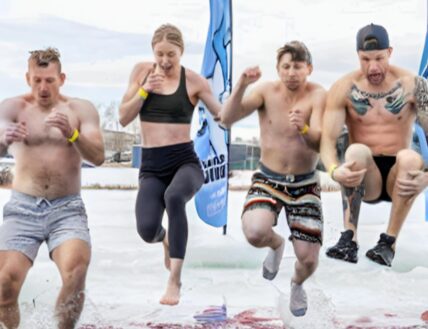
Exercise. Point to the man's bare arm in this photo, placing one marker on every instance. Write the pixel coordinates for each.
(90, 143)
(421, 102)
(333, 123)
(313, 134)
(10, 130)
(237, 106)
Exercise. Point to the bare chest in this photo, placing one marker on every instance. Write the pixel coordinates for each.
(275, 114)
(392, 108)
(39, 132)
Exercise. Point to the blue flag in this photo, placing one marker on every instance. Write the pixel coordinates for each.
(423, 71)
(212, 140)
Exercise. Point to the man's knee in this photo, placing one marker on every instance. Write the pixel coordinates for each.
(74, 277)
(256, 236)
(9, 290)
(408, 160)
(310, 262)
(359, 153)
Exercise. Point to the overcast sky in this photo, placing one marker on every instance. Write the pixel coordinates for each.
(100, 41)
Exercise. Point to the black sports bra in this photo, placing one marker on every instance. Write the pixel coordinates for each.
(172, 108)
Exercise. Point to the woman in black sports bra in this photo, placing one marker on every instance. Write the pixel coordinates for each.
(164, 95)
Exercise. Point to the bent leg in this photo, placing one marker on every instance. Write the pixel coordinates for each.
(407, 160)
(346, 248)
(72, 259)
(369, 189)
(186, 182)
(172, 293)
(14, 267)
(307, 261)
(149, 209)
(384, 251)
(257, 226)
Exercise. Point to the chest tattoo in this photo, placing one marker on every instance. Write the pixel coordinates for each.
(394, 100)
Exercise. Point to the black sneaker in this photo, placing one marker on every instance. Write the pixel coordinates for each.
(383, 253)
(345, 249)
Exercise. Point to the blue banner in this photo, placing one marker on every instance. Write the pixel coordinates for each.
(423, 71)
(212, 140)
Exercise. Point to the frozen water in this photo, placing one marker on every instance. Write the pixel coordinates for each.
(127, 276)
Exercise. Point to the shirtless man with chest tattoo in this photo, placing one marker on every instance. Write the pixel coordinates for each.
(379, 104)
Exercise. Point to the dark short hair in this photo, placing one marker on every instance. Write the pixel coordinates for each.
(372, 37)
(43, 57)
(298, 51)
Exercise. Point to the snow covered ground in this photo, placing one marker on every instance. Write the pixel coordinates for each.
(127, 277)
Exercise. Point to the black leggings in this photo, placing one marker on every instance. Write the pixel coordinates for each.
(171, 192)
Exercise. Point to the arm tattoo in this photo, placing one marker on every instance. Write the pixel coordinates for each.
(421, 99)
(351, 198)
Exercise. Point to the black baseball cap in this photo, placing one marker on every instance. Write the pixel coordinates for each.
(372, 37)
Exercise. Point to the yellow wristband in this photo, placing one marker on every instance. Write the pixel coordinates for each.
(74, 137)
(331, 170)
(305, 129)
(142, 93)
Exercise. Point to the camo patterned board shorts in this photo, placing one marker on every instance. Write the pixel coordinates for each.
(300, 195)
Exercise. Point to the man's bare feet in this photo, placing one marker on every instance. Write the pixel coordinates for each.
(167, 259)
(172, 294)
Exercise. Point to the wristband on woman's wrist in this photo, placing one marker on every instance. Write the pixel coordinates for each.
(142, 93)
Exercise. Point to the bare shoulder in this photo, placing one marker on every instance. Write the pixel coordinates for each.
(194, 78)
(82, 107)
(315, 88)
(343, 85)
(16, 102)
(401, 73)
(411, 81)
(10, 107)
(140, 70)
(265, 87)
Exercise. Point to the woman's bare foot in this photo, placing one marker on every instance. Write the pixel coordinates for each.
(172, 294)
(167, 259)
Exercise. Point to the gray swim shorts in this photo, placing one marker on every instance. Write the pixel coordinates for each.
(29, 220)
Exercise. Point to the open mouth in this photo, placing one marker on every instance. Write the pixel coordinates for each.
(375, 78)
(166, 67)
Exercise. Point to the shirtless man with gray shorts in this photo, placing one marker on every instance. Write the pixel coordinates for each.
(48, 134)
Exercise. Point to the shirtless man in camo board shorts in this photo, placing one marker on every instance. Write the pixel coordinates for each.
(290, 112)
